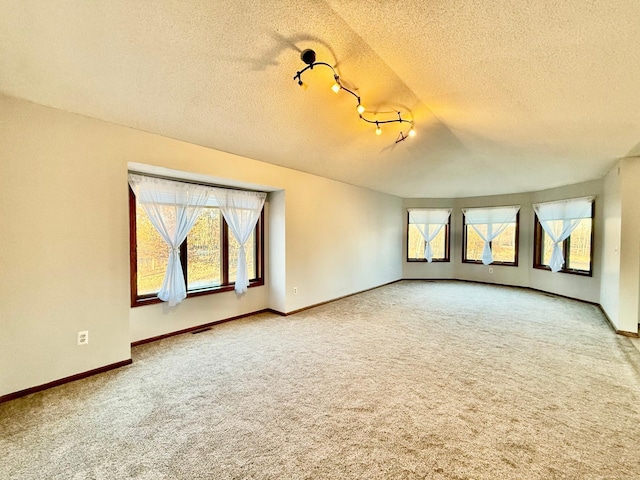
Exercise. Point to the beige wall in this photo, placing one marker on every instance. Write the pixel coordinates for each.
(524, 275)
(64, 252)
(64, 249)
(620, 288)
(504, 275)
(630, 244)
(434, 270)
(575, 286)
(612, 231)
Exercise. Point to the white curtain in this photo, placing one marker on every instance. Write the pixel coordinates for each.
(241, 210)
(559, 219)
(172, 208)
(429, 222)
(496, 219)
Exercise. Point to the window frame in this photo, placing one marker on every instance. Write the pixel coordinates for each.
(447, 244)
(226, 286)
(538, 236)
(479, 262)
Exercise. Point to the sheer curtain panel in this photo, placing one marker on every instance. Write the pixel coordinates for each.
(172, 208)
(496, 219)
(429, 222)
(241, 211)
(559, 219)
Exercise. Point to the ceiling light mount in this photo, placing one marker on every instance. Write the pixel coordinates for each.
(308, 56)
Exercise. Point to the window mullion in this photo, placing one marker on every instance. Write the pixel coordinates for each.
(133, 248)
(447, 246)
(225, 252)
(257, 255)
(183, 262)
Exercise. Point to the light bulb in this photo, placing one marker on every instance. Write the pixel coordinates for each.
(378, 130)
(360, 109)
(412, 132)
(335, 87)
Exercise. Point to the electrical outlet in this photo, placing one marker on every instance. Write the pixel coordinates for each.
(295, 290)
(83, 337)
(490, 270)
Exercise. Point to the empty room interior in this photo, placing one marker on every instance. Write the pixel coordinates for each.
(319, 239)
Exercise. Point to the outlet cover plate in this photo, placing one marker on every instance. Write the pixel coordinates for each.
(83, 337)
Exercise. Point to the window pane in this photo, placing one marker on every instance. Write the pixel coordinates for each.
(438, 243)
(415, 246)
(475, 244)
(547, 243)
(152, 254)
(579, 257)
(547, 248)
(250, 249)
(416, 243)
(503, 246)
(203, 251)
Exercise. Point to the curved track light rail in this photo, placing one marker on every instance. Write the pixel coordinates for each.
(308, 56)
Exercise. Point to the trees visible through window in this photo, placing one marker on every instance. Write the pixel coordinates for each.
(439, 245)
(204, 251)
(490, 235)
(208, 255)
(503, 246)
(152, 255)
(567, 227)
(428, 235)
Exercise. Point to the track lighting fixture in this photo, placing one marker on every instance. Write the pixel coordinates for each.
(336, 86)
(308, 56)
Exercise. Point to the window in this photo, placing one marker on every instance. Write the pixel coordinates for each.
(563, 239)
(428, 234)
(208, 255)
(490, 235)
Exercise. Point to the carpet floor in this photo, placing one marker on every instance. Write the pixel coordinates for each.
(415, 380)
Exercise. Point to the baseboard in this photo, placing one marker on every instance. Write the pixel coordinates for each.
(55, 383)
(198, 327)
(62, 381)
(293, 312)
(596, 304)
(78, 376)
(613, 327)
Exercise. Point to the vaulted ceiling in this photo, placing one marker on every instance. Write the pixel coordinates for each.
(507, 96)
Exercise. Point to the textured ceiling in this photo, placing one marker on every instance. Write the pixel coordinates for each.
(507, 96)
